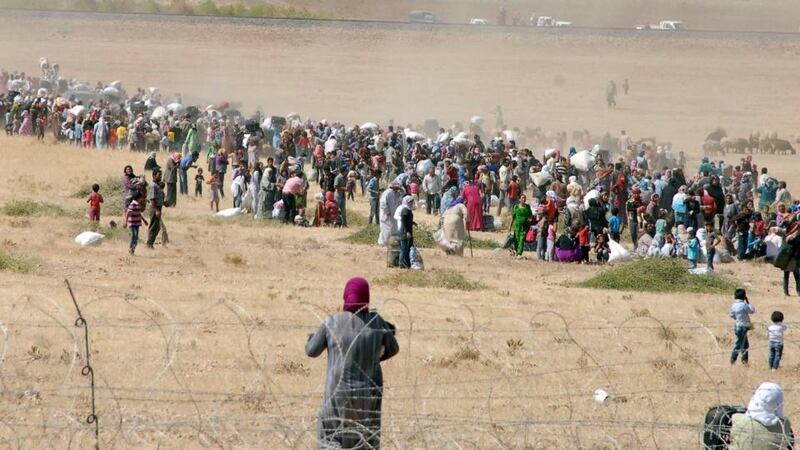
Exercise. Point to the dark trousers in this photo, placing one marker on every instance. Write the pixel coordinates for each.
(134, 237)
(775, 353)
(742, 344)
(405, 252)
(691, 221)
(289, 207)
(741, 245)
(184, 181)
(153, 228)
(585, 253)
(373, 211)
(796, 274)
(634, 228)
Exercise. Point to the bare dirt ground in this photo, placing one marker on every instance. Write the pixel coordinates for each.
(189, 350)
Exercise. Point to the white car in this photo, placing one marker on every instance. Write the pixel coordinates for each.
(477, 21)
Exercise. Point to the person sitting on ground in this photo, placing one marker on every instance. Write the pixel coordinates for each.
(764, 425)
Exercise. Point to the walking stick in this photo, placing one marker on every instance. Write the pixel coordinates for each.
(470, 243)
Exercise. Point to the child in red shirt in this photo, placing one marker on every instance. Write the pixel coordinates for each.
(331, 210)
(513, 192)
(94, 201)
(583, 241)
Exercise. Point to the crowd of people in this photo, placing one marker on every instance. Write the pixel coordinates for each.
(566, 205)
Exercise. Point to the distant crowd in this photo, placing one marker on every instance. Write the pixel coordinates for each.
(566, 205)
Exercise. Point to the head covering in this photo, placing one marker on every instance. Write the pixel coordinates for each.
(356, 295)
(456, 201)
(407, 203)
(766, 406)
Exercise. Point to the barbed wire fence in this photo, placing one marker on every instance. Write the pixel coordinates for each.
(224, 377)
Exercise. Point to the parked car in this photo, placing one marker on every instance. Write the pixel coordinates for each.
(477, 21)
(664, 25)
(422, 17)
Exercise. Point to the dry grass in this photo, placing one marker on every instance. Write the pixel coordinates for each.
(202, 372)
(444, 279)
(235, 260)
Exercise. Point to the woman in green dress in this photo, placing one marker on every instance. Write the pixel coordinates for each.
(521, 217)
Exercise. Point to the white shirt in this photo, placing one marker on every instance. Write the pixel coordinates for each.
(775, 332)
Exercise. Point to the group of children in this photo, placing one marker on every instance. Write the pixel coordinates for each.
(132, 220)
(740, 312)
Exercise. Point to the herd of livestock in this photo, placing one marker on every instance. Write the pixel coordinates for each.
(719, 143)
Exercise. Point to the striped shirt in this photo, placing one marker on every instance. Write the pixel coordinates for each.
(134, 214)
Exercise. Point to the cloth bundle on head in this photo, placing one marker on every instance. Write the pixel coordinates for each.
(766, 406)
(356, 295)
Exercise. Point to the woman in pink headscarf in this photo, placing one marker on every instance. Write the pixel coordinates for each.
(472, 195)
(357, 340)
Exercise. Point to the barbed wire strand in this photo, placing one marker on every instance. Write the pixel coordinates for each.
(87, 370)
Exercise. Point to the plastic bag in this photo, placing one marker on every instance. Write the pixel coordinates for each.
(618, 253)
(541, 178)
(88, 238)
(583, 160)
(230, 212)
(416, 259)
(498, 223)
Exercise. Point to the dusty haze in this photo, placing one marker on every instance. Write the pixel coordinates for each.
(192, 351)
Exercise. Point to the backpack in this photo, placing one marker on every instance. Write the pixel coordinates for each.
(717, 426)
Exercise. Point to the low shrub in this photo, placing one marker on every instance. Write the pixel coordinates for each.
(18, 263)
(659, 275)
(29, 208)
(445, 279)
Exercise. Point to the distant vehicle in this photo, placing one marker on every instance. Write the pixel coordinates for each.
(422, 17)
(477, 21)
(664, 25)
(547, 21)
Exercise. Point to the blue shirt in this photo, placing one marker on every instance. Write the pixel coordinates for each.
(615, 224)
(740, 312)
(693, 249)
(372, 188)
(186, 162)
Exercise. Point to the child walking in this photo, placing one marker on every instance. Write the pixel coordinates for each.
(134, 220)
(775, 335)
(198, 183)
(615, 225)
(712, 241)
(94, 201)
(584, 242)
(214, 183)
(740, 313)
(551, 241)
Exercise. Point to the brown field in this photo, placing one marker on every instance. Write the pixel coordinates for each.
(201, 343)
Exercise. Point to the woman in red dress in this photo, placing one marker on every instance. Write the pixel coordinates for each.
(472, 195)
